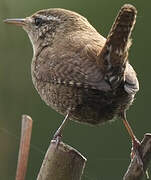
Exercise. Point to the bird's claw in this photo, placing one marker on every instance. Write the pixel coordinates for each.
(135, 152)
(57, 138)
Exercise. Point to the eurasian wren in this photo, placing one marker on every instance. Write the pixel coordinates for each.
(77, 71)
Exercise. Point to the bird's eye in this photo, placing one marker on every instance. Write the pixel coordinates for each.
(38, 21)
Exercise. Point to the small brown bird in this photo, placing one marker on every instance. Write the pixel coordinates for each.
(77, 71)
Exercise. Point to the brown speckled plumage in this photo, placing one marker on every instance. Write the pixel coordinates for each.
(76, 70)
(68, 73)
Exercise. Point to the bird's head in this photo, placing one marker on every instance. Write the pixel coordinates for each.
(45, 25)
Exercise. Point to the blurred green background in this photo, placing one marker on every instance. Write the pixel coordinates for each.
(107, 147)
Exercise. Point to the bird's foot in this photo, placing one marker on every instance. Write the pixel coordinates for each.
(58, 134)
(57, 138)
(136, 152)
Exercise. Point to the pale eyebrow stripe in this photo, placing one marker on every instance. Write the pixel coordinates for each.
(50, 17)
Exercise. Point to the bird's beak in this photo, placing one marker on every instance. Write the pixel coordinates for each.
(17, 21)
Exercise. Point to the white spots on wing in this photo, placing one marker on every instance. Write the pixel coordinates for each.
(78, 84)
(68, 83)
(71, 83)
(59, 81)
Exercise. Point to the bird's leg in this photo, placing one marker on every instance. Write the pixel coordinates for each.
(58, 134)
(135, 142)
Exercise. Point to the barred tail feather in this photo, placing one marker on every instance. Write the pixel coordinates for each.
(115, 51)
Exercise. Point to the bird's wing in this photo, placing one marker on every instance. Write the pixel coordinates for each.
(131, 83)
(74, 70)
(80, 71)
